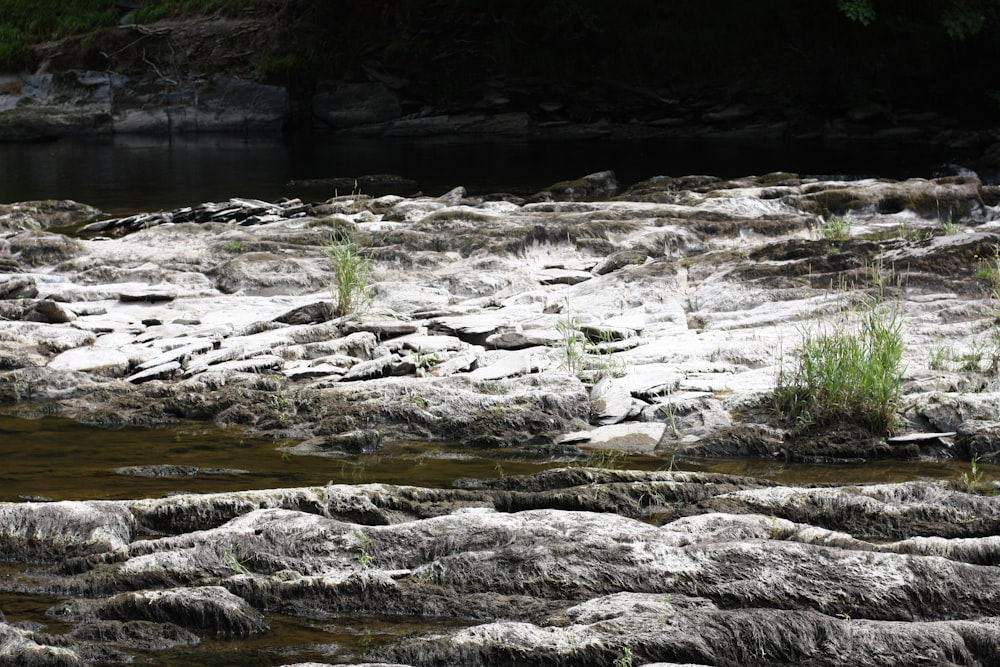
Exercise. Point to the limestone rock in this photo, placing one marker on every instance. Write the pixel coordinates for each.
(632, 438)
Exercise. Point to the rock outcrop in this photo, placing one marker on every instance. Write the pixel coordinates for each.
(665, 312)
(549, 569)
(653, 322)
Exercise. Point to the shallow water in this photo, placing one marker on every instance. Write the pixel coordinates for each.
(60, 459)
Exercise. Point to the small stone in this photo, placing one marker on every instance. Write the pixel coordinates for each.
(147, 296)
(369, 370)
(561, 276)
(50, 312)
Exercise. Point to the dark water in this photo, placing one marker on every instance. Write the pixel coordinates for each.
(138, 173)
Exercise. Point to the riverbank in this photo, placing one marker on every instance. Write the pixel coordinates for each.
(583, 318)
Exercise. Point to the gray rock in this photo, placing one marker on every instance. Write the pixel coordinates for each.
(511, 364)
(367, 370)
(44, 532)
(93, 359)
(561, 276)
(18, 287)
(611, 402)
(474, 329)
(163, 371)
(632, 438)
(383, 327)
(178, 354)
(618, 260)
(314, 313)
(518, 340)
(352, 104)
(50, 312)
(257, 364)
(210, 609)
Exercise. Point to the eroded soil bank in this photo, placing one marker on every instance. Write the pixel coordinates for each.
(651, 321)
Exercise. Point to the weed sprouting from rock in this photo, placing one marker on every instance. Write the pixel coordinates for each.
(972, 478)
(624, 659)
(352, 276)
(834, 229)
(846, 374)
(572, 347)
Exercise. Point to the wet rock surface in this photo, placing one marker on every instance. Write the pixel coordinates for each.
(653, 321)
(574, 566)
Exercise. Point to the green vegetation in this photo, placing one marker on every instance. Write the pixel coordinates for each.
(453, 46)
(352, 276)
(835, 229)
(846, 376)
(988, 268)
(948, 226)
(959, 19)
(29, 21)
(606, 459)
(624, 659)
(364, 555)
(13, 49)
(572, 349)
(972, 478)
(154, 10)
(585, 358)
(26, 22)
(233, 559)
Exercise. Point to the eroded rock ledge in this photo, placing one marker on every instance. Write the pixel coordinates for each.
(671, 567)
(648, 320)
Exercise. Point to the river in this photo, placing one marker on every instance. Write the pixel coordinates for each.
(126, 174)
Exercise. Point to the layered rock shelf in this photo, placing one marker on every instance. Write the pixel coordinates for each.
(649, 320)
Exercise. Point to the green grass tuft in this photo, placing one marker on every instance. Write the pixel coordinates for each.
(845, 376)
(352, 276)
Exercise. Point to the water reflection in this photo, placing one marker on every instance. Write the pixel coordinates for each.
(129, 173)
(61, 459)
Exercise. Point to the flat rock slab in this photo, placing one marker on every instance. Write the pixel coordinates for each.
(632, 438)
(97, 360)
(475, 329)
(161, 372)
(147, 296)
(425, 344)
(511, 364)
(382, 328)
(517, 340)
(561, 276)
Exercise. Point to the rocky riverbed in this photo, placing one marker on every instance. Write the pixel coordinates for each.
(647, 320)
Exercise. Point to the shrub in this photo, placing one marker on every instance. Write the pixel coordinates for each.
(835, 229)
(845, 376)
(14, 53)
(352, 275)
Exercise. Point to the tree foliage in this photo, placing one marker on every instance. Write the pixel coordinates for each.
(960, 19)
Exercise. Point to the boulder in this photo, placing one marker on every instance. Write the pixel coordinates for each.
(207, 609)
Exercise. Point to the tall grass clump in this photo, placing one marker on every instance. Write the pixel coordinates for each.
(352, 277)
(846, 374)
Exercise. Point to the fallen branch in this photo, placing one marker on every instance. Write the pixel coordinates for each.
(157, 69)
